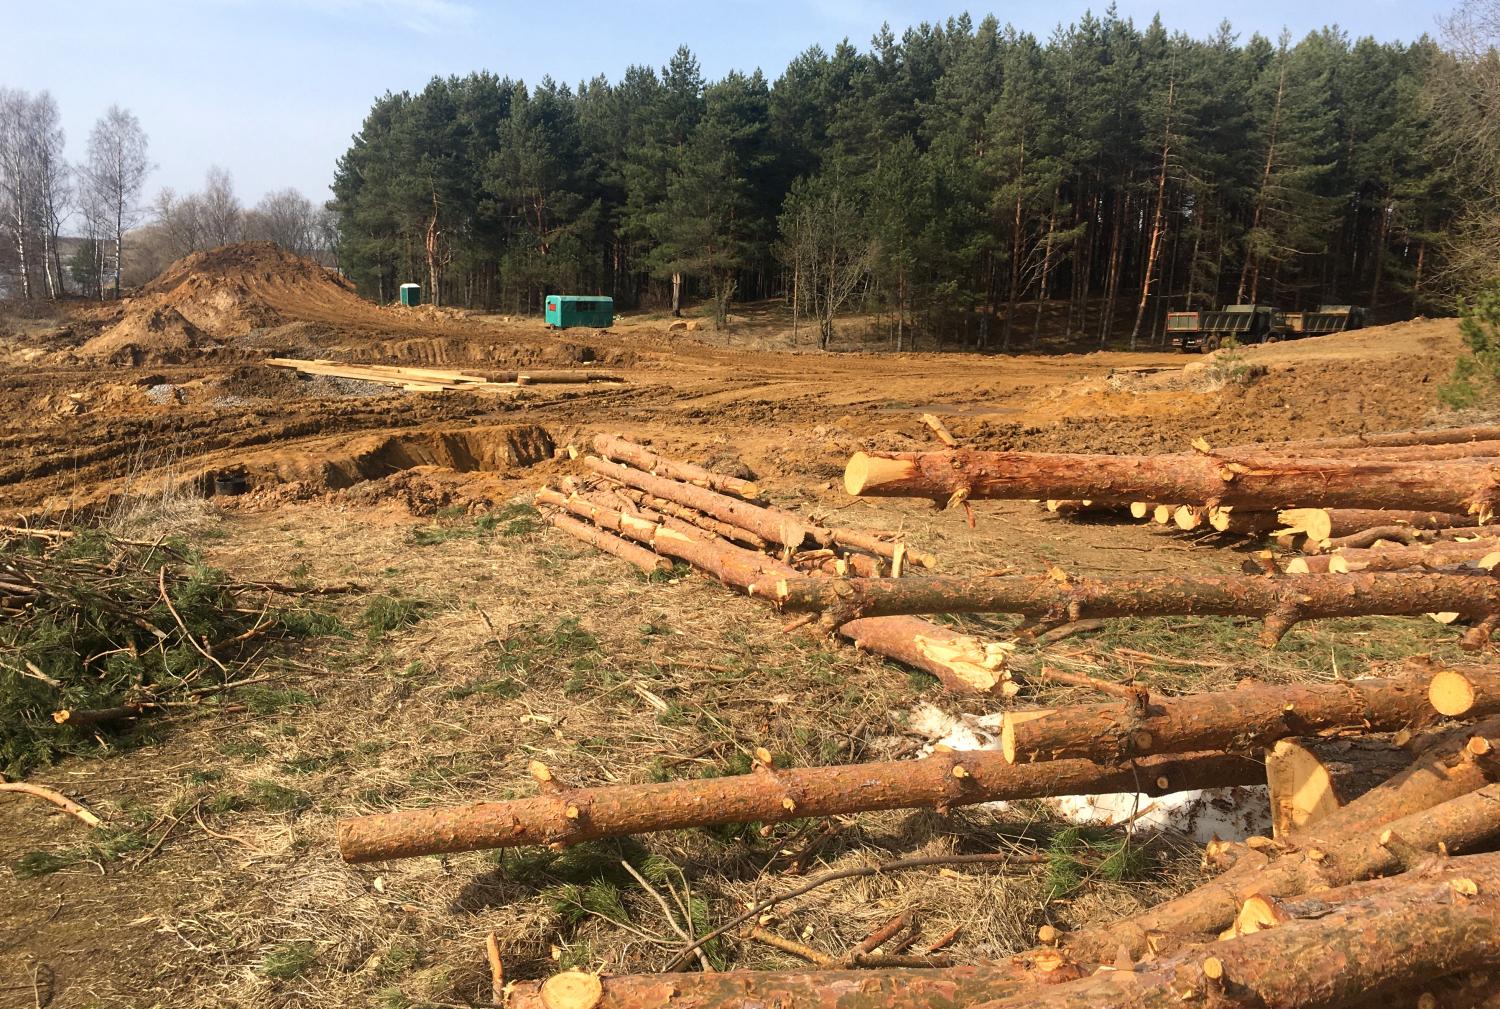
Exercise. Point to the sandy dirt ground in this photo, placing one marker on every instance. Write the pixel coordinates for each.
(216, 880)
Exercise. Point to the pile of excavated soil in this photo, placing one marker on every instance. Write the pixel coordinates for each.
(216, 298)
(158, 334)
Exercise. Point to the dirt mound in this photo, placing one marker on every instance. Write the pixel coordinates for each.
(221, 295)
(157, 334)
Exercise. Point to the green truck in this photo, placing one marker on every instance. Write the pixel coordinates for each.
(1327, 319)
(1208, 331)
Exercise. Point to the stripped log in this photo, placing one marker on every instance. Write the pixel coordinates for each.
(612, 544)
(1321, 524)
(1309, 780)
(770, 524)
(1407, 931)
(1252, 715)
(620, 449)
(958, 474)
(1418, 810)
(1281, 602)
(941, 781)
(961, 662)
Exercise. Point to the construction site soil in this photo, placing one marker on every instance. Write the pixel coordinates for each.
(525, 645)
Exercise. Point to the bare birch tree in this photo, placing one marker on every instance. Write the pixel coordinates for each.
(117, 169)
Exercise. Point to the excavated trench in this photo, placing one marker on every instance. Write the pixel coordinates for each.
(488, 449)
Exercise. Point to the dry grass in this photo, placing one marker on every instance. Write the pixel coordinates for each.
(476, 650)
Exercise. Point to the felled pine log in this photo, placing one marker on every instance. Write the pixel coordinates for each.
(956, 475)
(1252, 715)
(1389, 439)
(1479, 553)
(1280, 602)
(1322, 524)
(564, 815)
(612, 544)
(961, 662)
(620, 449)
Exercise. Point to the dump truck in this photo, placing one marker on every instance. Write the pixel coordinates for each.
(1327, 319)
(1207, 331)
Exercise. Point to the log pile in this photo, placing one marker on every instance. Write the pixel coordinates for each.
(1180, 491)
(1387, 886)
(646, 508)
(1381, 882)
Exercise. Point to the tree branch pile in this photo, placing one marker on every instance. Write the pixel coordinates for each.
(96, 632)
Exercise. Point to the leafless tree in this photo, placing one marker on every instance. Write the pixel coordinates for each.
(285, 217)
(18, 182)
(53, 180)
(117, 169)
(221, 216)
(1465, 99)
(824, 243)
(177, 222)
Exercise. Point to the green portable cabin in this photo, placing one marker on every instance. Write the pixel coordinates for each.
(565, 310)
(411, 295)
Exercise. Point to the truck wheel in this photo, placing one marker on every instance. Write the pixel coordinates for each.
(1210, 344)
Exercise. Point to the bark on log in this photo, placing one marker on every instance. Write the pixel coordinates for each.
(770, 524)
(1481, 554)
(1321, 524)
(914, 988)
(942, 781)
(743, 537)
(1281, 602)
(854, 539)
(620, 449)
(1254, 715)
(958, 474)
(1405, 932)
(1400, 534)
(1309, 780)
(611, 544)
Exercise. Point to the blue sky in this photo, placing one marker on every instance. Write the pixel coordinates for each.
(273, 89)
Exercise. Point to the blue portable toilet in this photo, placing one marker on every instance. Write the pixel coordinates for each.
(567, 310)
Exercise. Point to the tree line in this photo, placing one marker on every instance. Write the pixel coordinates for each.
(957, 180)
(40, 191)
(84, 228)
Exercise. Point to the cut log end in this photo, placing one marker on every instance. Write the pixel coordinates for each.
(865, 473)
(572, 990)
(1451, 693)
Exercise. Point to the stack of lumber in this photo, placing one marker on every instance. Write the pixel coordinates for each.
(435, 380)
(1381, 880)
(652, 511)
